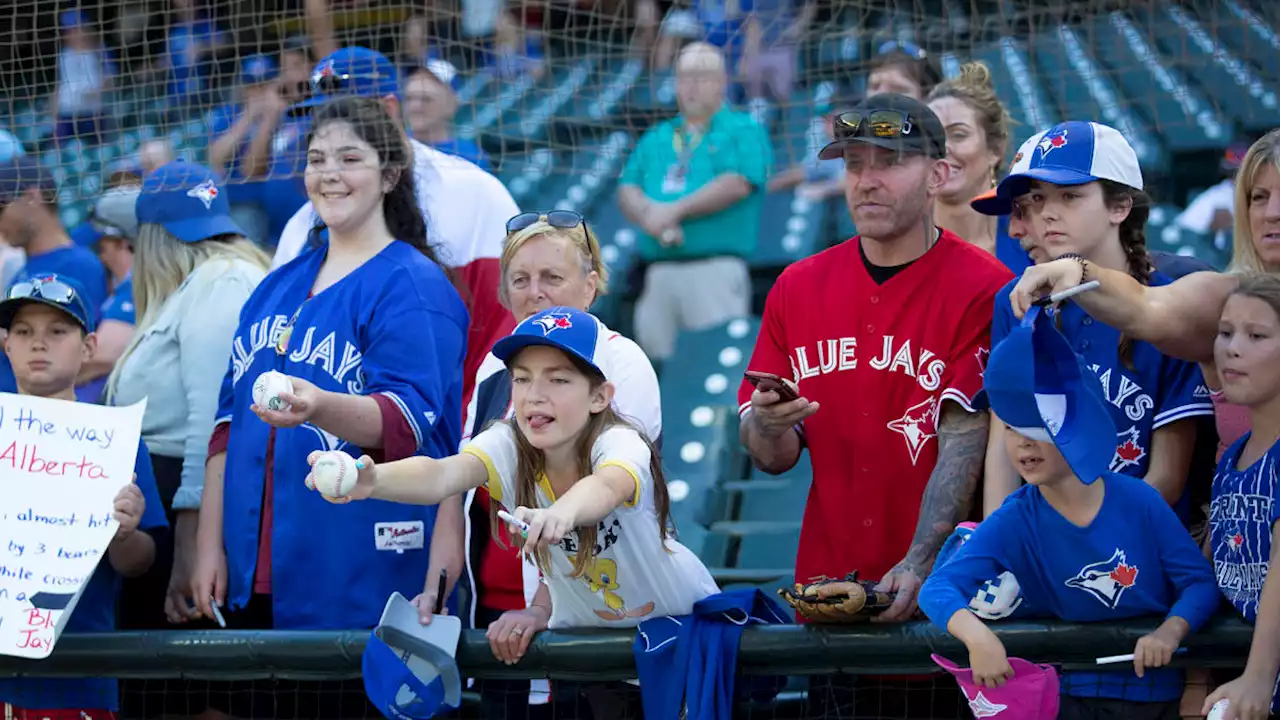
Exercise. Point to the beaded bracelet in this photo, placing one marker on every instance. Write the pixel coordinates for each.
(1084, 266)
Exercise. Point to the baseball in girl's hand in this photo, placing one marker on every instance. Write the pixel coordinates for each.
(268, 388)
(334, 474)
(1218, 711)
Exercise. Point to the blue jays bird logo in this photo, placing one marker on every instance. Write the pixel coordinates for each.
(554, 321)
(1106, 580)
(1049, 143)
(205, 192)
(323, 70)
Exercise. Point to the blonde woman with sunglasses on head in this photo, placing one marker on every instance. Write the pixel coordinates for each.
(548, 259)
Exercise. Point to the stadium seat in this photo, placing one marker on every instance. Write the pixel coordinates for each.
(710, 367)
(1231, 83)
(1240, 28)
(1082, 88)
(791, 228)
(696, 454)
(1149, 82)
(1028, 103)
(769, 550)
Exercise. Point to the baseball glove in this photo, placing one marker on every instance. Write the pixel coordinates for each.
(837, 600)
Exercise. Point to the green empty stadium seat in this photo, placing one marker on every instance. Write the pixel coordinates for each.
(791, 228)
(772, 499)
(1082, 88)
(1231, 82)
(1157, 87)
(759, 550)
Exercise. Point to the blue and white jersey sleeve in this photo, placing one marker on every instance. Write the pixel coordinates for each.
(412, 356)
(1181, 393)
(993, 548)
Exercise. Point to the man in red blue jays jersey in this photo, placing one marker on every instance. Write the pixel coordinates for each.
(885, 337)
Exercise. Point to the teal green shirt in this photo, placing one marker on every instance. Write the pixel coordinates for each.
(734, 143)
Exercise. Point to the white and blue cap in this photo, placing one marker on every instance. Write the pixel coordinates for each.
(1039, 387)
(1075, 153)
(409, 668)
(187, 200)
(575, 332)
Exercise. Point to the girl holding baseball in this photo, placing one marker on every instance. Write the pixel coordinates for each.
(365, 336)
(1243, 515)
(584, 485)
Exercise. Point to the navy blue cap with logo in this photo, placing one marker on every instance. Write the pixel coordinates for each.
(570, 330)
(186, 199)
(1042, 389)
(56, 291)
(351, 71)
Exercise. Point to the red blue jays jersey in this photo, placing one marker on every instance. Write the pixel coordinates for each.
(1133, 559)
(1155, 390)
(881, 360)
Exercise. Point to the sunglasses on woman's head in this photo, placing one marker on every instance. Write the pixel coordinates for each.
(563, 219)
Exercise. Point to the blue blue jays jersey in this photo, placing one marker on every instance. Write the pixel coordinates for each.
(1134, 559)
(395, 326)
(1242, 520)
(1156, 391)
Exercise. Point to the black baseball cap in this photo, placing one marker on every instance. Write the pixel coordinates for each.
(916, 129)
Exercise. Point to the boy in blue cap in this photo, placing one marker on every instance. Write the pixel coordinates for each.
(1086, 544)
(50, 335)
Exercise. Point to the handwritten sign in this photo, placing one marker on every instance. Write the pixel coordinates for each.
(61, 466)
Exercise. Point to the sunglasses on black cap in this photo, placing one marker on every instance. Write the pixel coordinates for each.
(563, 219)
(890, 124)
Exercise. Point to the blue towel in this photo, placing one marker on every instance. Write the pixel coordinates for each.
(693, 658)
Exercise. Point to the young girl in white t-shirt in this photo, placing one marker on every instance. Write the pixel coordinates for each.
(589, 486)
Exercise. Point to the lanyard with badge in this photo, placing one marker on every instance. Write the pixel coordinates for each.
(675, 181)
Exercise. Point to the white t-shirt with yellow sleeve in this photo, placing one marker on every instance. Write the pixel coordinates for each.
(633, 576)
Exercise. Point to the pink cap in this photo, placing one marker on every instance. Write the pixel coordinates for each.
(1031, 693)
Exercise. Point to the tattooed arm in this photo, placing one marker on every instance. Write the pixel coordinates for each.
(948, 497)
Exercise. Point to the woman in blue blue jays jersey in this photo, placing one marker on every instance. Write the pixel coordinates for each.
(1082, 189)
(1243, 533)
(372, 334)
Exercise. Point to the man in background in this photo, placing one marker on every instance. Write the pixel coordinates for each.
(695, 185)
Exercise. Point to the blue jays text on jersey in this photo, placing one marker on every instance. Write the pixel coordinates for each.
(1134, 559)
(394, 327)
(1155, 391)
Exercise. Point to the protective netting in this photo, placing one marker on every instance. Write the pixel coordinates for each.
(555, 93)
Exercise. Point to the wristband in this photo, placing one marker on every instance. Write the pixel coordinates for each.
(1084, 266)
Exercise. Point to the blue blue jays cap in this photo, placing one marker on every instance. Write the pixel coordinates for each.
(352, 71)
(185, 199)
(1075, 153)
(571, 330)
(20, 174)
(256, 69)
(56, 291)
(1038, 386)
(409, 668)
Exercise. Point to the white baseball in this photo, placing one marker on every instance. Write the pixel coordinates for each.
(1218, 711)
(268, 388)
(334, 473)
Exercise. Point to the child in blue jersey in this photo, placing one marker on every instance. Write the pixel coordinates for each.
(1243, 533)
(1082, 187)
(1085, 543)
(588, 485)
(371, 333)
(50, 336)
